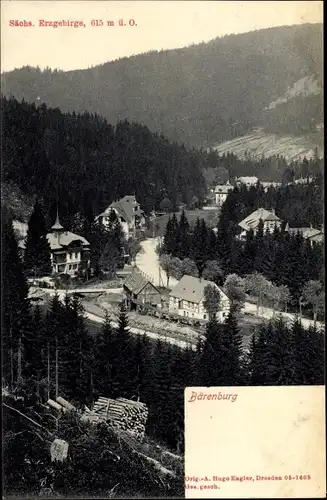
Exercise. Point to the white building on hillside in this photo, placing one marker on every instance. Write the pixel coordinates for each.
(70, 252)
(252, 221)
(221, 193)
(129, 213)
(247, 181)
(186, 299)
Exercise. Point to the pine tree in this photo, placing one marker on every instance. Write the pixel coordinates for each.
(34, 345)
(103, 359)
(37, 258)
(175, 236)
(259, 355)
(199, 245)
(124, 370)
(231, 351)
(141, 356)
(168, 241)
(183, 237)
(209, 369)
(57, 321)
(15, 307)
(279, 355)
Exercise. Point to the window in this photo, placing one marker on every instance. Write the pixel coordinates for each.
(184, 313)
(70, 267)
(204, 316)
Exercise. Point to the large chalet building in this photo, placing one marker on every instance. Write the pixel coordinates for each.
(252, 221)
(271, 221)
(187, 297)
(129, 214)
(70, 252)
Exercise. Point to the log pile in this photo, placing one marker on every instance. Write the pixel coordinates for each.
(122, 413)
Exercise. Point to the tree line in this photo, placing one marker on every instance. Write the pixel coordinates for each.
(223, 167)
(84, 163)
(287, 268)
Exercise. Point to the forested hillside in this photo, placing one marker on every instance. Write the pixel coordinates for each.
(200, 95)
(83, 163)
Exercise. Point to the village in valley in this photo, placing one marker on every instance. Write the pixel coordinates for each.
(141, 257)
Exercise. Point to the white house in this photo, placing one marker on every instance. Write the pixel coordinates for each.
(267, 184)
(247, 181)
(70, 253)
(314, 236)
(129, 214)
(186, 299)
(252, 221)
(221, 193)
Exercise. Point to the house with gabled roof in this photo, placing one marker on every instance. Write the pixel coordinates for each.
(70, 252)
(187, 297)
(129, 214)
(315, 236)
(139, 290)
(252, 221)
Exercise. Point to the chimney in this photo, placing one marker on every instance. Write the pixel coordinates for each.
(273, 211)
(310, 226)
(287, 227)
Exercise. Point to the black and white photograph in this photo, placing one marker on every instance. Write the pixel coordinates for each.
(162, 200)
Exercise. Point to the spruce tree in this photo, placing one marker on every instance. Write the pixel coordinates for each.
(34, 346)
(168, 240)
(103, 359)
(209, 369)
(183, 237)
(231, 351)
(124, 370)
(279, 355)
(56, 325)
(37, 258)
(15, 307)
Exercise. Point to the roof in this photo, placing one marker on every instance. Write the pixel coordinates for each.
(57, 226)
(62, 240)
(223, 188)
(125, 208)
(191, 289)
(248, 180)
(317, 237)
(306, 232)
(136, 281)
(252, 220)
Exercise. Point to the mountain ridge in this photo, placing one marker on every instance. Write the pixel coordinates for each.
(199, 95)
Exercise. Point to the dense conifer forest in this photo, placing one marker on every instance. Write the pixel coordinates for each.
(83, 163)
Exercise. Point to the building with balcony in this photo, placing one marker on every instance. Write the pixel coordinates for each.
(70, 252)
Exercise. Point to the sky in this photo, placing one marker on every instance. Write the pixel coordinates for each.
(157, 25)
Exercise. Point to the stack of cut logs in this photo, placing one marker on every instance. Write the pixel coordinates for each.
(122, 413)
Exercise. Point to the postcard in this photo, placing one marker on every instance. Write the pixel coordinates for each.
(163, 289)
